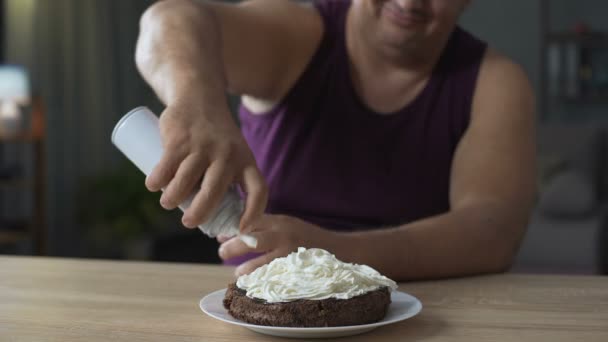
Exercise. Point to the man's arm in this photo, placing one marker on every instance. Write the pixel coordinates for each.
(491, 195)
(191, 53)
(256, 47)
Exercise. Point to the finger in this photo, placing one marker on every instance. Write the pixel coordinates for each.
(257, 196)
(182, 185)
(215, 184)
(164, 171)
(233, 248)
(267, 241)
(253, 264)
(261, 223)
(223, 238)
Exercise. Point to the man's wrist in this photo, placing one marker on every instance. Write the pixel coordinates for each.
(197, 96)
(193, 100)
(191, 88)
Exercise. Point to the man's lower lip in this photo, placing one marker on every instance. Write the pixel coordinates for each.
(400, 19)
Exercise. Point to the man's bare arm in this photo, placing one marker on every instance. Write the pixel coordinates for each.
(256, 47)
(491, 196)
(191, 53)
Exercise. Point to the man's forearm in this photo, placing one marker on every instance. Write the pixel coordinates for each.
(461, 242)
(179, 53)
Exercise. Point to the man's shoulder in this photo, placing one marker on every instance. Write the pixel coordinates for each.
(495, 61)
(502, 81)
(499, 70)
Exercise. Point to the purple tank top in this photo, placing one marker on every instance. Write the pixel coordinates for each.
(330, 160)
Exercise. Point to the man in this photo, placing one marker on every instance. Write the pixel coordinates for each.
(386, 134)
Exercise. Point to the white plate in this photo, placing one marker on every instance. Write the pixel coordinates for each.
(403, 306)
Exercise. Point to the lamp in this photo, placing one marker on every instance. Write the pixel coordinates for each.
(14, 94)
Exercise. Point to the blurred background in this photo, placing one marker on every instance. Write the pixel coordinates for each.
(67, 74)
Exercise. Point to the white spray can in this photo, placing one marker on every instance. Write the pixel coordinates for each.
(137, 136)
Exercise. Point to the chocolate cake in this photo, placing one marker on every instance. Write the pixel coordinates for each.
(310, 288)
(367, 308)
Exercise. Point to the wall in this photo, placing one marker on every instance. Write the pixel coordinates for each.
(17, 202)
(19, 17)
(80, 55)
(564, 15)
(511, 27)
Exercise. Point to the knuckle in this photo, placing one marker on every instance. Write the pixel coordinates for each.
(212, 191)
(163, 170)
(209, 195)
(198, 159)
(221, 165)
(222, 152)
(179, 186)
(203, 145)
(174, 142)
(200, 213)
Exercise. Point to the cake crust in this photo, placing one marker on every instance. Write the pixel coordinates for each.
(368, 308)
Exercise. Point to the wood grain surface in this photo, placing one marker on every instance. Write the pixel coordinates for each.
(54, 299)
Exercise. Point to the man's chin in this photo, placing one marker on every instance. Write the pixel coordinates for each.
(399, 39)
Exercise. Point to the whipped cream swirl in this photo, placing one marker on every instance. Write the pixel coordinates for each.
(312, 274)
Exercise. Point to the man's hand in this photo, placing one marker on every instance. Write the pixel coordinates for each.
(277, 236)
(204, 141)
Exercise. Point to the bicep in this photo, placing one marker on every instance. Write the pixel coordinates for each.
(266, 44)
(495, 160)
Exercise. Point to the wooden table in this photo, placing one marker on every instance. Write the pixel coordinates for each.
(47, 299)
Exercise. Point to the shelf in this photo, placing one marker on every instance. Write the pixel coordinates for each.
(13, 231)
(25, 137)
(596, 39)
(592, 99)
(15, 183)
(33, 135)
(36, 130)
(9, 237)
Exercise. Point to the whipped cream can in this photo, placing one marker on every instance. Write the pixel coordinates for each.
(137, 136)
